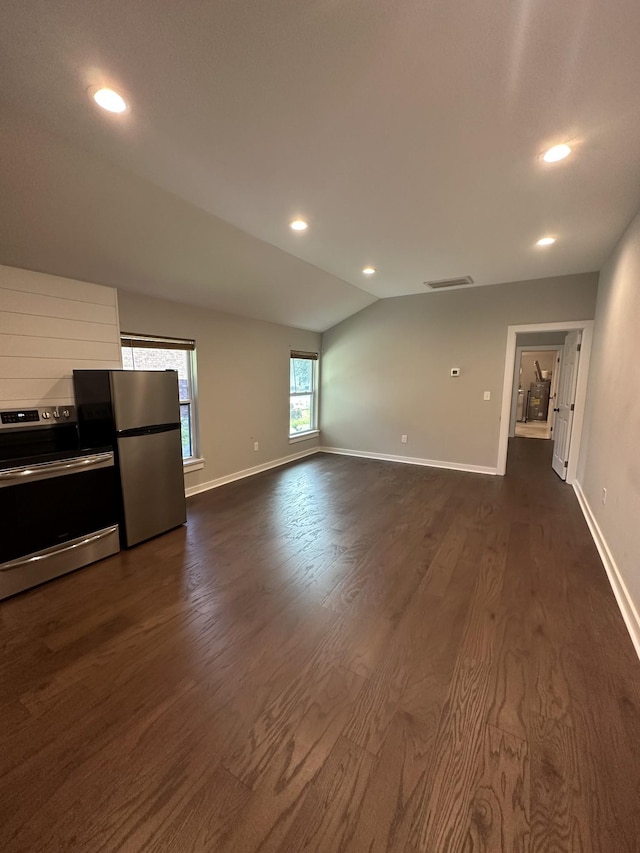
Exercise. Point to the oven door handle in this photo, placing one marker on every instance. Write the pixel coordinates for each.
(54, 552)
(44, 470)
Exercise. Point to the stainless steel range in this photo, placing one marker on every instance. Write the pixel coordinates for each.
(58, 507)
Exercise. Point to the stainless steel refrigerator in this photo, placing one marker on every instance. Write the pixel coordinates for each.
(137, 412)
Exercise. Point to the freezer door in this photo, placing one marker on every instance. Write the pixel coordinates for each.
(144, 398)
(152, 484)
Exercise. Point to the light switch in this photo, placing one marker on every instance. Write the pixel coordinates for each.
(487, 395)
(455, 371)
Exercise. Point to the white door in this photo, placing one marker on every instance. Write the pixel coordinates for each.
(565, 402)
(553, 397)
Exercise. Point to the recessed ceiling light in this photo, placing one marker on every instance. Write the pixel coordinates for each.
(109, 100)
(298, 225)
(558, 152)
(369, 270)
(546, 241)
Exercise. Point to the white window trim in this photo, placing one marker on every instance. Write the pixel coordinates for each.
(295, 437)
(303, 436)
(193, 463)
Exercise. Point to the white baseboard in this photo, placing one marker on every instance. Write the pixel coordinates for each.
(248, 472)
(412, 460)
(386, 457)
(625, 603)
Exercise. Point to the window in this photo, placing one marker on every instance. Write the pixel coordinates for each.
(303, 402)
(140, 352)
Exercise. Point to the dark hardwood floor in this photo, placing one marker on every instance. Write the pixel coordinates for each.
(338, 655)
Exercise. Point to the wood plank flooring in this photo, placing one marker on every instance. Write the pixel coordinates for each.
(338, 655)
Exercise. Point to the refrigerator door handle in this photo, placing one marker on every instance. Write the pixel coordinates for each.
(147, 430)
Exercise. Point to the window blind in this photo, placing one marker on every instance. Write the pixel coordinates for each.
(128, 339)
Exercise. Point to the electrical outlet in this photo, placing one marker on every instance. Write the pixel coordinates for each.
(487, 395)
(403, 439)
(256, 445)
(604, 496)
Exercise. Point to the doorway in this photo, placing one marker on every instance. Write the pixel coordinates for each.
(534, 386)
(575, 388)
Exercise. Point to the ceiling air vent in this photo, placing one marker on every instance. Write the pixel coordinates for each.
(449, 282)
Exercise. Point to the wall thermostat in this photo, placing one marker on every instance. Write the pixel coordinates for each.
(455, 371)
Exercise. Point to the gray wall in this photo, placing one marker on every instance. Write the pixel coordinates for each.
(243, 380)
(531, 340)
(610, 456)
(385, 371)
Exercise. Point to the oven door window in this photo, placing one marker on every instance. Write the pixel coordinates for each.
(43, 513)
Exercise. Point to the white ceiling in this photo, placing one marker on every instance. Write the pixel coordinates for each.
(407, 133)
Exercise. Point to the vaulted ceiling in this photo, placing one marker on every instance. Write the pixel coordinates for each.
(408, 134)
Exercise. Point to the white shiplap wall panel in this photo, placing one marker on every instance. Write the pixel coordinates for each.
(36, 348)
(50, 368)
(48, 327)
(45, 390)
(21, 302)
(12, 278)
(34, 326)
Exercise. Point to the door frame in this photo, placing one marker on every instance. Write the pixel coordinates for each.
(581, 388)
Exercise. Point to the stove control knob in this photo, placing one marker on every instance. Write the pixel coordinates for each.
(66, 413)
(56, 413)
(46, 415)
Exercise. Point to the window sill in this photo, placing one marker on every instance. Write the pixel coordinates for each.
(305, 436)
(193, 464)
